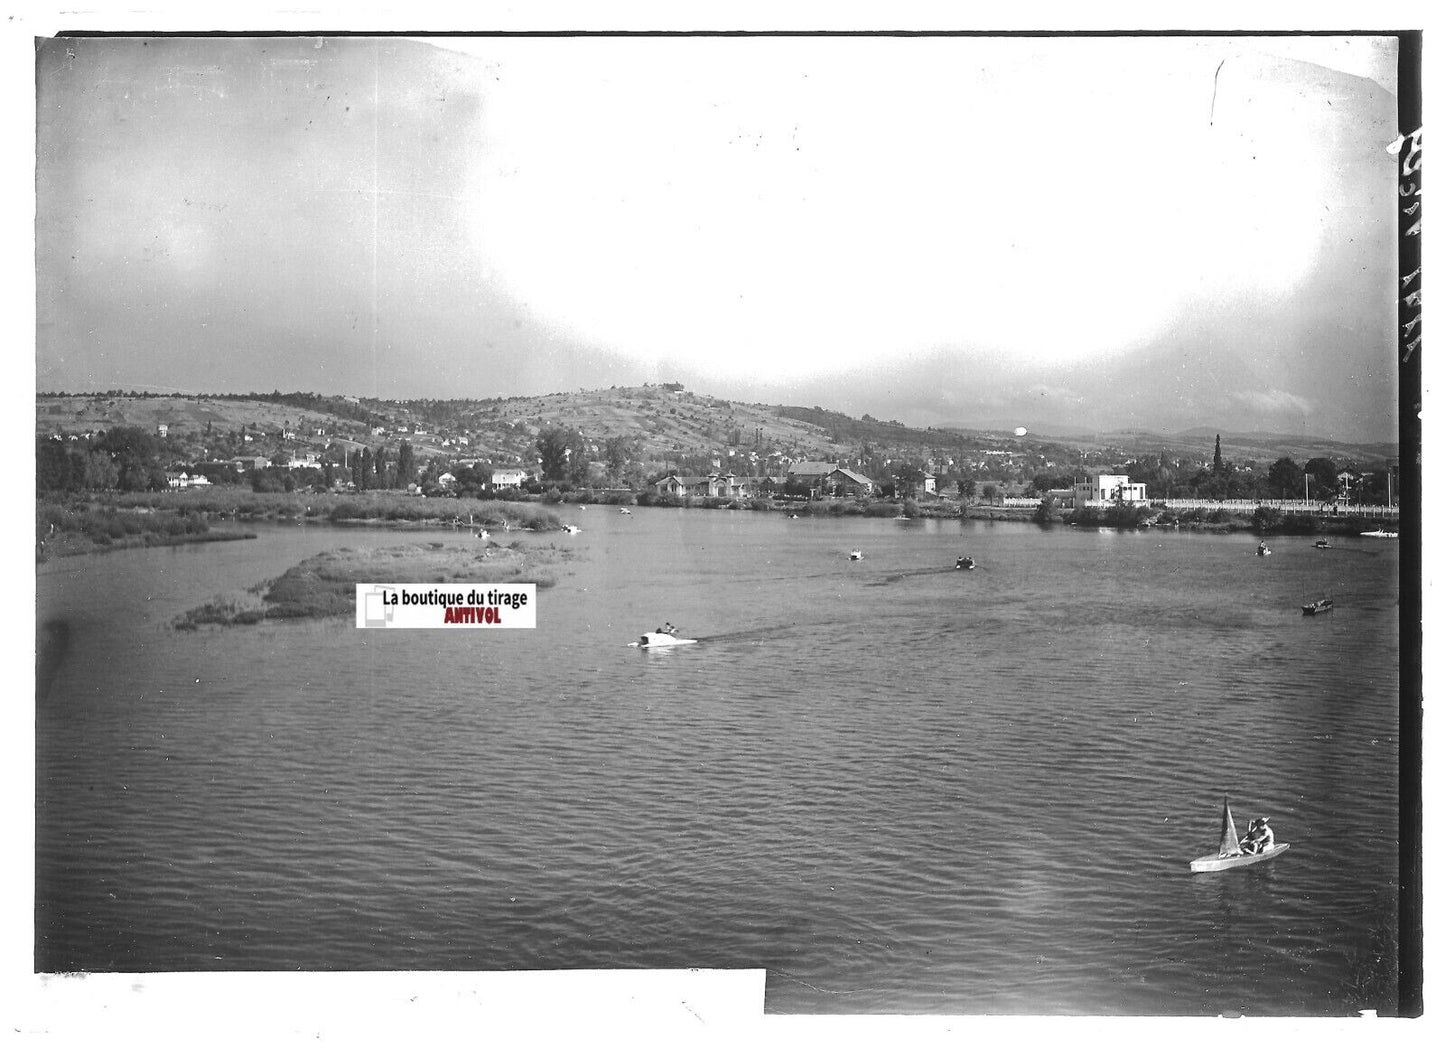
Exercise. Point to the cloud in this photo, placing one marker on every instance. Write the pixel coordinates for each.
(1274, 402)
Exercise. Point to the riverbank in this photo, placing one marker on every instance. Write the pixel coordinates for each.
(66, 529)
(374, 508)
(325, 585)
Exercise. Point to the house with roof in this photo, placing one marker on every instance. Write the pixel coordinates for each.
(508, 478)
(847, 482)
(713, 485)
(1105, 489)
(806, 474)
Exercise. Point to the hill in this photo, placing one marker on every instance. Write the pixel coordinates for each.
(667, 427)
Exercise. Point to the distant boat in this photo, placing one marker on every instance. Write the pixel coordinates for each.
(1230, 854)
(1261, 551)
(1323, 545)
(571, 530)
(855, 556)
(963, 563)
(1381, 534)
(1324, 605)
(623, 510)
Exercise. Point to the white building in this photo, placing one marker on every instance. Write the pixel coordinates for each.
(1106, 489)
(508, 478)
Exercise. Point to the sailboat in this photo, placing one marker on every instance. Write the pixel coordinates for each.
(1230, 855)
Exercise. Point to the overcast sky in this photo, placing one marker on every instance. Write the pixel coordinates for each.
(1157, 232)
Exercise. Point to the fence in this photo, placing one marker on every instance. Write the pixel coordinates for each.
(1248, 506)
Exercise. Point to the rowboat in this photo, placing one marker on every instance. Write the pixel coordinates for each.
(1230, 855)
(1262, 550)
(1323, 545)
(963, 563)
(1324, 605)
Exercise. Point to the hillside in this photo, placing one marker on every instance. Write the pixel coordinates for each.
(670, 429)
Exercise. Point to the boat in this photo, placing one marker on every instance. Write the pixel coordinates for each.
(1262, 550)
(855, 556)
(1230, 854)
(1324, 605)
(1381, 534)
(657, 639)
(963, 563)
(623, 510)
(1323, 545)
(571, 530)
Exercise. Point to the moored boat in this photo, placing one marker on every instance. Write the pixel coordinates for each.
(1323, 605)
(1230, 853)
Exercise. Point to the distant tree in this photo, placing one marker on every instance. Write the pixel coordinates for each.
(1286, 479)
(909, 476)
(562, 455)
(405, 464)
(990, 493)
(617, 452)
(967, 488)
(1218, 456)
(1044, 512)
(1324, 477)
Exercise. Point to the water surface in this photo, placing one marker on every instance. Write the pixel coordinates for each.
(895, 786)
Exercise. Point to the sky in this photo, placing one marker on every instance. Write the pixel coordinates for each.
(1141, 232)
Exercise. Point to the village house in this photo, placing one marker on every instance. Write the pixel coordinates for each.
(509, 478)
(1105, 489)
(714, 485)
(846, 482)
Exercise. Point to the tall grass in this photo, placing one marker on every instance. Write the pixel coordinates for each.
(325, 584)
(341, 507)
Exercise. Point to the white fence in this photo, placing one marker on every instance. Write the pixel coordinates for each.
(1248, 506)
(1245, 506)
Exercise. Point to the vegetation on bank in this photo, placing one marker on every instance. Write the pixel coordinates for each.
(80, 528)
(340, 508)
(325, 585)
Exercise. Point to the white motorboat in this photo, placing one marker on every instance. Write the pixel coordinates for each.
(657, 639)
(855, 556)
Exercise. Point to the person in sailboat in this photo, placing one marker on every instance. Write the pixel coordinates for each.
(1259, 837)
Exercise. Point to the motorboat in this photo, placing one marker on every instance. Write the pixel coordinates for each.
(1262, 551)
(1322, 545)
(1230, 853)
(657, 639)
(855, 556)
(1324, 605)
(623, 510)
(963, 563)
(571, 530)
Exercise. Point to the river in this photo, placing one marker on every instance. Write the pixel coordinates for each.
(895, 786)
